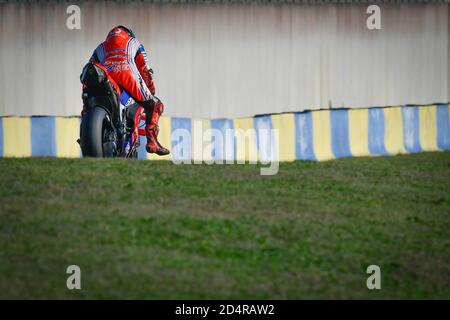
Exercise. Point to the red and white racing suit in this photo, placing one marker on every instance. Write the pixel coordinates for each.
(126, 62)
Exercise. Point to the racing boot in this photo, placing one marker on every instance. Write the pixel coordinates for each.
(153, 145)
(152, 130)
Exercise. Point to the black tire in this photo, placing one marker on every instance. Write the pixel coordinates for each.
(94, 123)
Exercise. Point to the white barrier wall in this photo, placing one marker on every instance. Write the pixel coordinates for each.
(232, 60)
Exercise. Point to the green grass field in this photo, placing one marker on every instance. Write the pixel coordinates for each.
(145, 229)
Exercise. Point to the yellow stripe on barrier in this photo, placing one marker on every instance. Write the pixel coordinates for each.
(285, 125)
(358, 132)
(246, 146)
(164, 138)
(16, 137)
(427, 118)
(67, 133)
(322, 135)
(393, 130)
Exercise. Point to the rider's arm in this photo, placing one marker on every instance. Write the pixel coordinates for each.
(143, 66)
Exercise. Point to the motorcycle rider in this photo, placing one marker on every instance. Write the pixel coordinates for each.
(125, 59)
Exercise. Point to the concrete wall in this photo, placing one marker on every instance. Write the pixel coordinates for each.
(232, 60)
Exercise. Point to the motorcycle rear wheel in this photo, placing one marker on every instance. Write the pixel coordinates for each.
(95, 129)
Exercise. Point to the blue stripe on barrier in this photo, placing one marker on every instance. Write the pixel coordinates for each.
(225, 148)
(376, 131)
(1, 137)
(304, 136)
(443, 126)
(411, 135)
(43, 141)
(264, 138)
(142, 153)
(181, 137)
(339, 133)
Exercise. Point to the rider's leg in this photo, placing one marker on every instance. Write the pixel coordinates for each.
(152, 129)
(135, 86)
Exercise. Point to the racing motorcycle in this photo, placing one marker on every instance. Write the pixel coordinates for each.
(110, 127)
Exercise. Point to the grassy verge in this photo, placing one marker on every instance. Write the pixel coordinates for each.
(145, 229)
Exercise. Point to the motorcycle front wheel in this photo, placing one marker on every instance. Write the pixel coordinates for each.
(96, 134)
